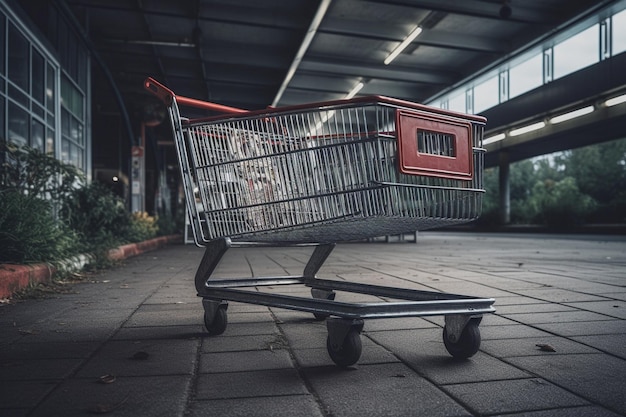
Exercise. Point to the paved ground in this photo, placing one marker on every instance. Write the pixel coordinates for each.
(142, 324)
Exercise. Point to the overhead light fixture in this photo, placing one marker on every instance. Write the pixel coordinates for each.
(403, 45)
(331, 113)
(527, 129)
(355, 90)
(615, 101)
(494, 138)
(571, 115)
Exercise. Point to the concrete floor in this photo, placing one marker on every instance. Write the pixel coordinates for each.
(143, 324)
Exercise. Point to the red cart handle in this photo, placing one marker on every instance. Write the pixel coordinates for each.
(167, 96)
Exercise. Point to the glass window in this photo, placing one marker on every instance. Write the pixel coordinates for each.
(19, 96)
(50, 141)
(2, 42)
(486, 95)
(72, 123)
(457, 103)
(71, 97)
(39, 77)
(18, 125)
(2, 124)
(619, 32)
(50, 88)
(65, 122)
(65, 151)
(526, 76)
(577, 52)
(75, 130)
(19, 59)
(36, 135)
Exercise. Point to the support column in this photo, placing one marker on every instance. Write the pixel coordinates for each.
(505, 188)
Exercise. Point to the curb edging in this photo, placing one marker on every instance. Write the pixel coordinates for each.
(14, 277)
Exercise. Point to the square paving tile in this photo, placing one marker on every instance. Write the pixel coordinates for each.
(379, 390)
(126, 397)
(143, 358)
(282, 406)
(610, 343)
(591, 376)
(514, 396)
(250, 384)
(245, 361)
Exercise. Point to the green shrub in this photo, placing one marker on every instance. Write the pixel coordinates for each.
(142, 227)
(560, 204)
(29, 232)
(170, 225)
(34, 173)
(98, 216)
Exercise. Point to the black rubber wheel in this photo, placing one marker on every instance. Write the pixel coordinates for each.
(219, 323)
(467, 345)
(349, 352)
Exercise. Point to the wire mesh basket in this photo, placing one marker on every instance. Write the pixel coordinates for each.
(332, 171)
(317, 174)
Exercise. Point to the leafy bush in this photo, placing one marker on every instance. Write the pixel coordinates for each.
(32, 187)
(142, 227)
(171, 224)
(561, 204)
(34, 173)
(29, 232)
(97, 215)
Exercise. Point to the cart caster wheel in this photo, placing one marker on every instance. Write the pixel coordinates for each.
(349, 352)
(320, 316)
(322, 295)
(467, 345)
(219, 323)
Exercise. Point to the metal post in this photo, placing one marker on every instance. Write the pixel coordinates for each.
(505, 188)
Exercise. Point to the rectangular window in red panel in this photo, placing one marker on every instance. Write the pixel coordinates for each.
(435, 146)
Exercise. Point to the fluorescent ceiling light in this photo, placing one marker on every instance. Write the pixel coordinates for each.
(331, 113)
(615, 100)
(494, 138)
(571, 115)
(324, 119)
(526, 129)
(355, 90)
(403, 45)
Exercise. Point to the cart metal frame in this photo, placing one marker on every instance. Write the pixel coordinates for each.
(345, 321)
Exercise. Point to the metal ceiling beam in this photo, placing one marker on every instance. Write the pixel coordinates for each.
(244, 19)
(339, 66)
(479, 9)
(304, 46)
(155, 54)
(343, 27)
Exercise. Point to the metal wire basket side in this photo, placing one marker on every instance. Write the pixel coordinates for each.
(262, 178)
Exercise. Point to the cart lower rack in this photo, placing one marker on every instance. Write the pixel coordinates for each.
(323, 173)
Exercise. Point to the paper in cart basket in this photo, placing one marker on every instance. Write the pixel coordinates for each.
(264, 192)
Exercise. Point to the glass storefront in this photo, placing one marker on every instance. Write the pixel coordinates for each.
(43, 92)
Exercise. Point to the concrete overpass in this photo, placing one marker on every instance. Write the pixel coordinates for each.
(545, 113)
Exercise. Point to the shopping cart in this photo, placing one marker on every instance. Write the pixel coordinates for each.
(323, 173)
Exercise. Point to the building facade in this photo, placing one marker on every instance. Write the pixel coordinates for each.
(45, 86)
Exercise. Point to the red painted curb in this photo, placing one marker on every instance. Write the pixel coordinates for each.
(15, 277)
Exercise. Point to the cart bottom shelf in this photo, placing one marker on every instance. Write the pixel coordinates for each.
(349, 229)
(344, 320)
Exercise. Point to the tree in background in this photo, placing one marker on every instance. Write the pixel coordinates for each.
(569, 188)
(600, 172)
